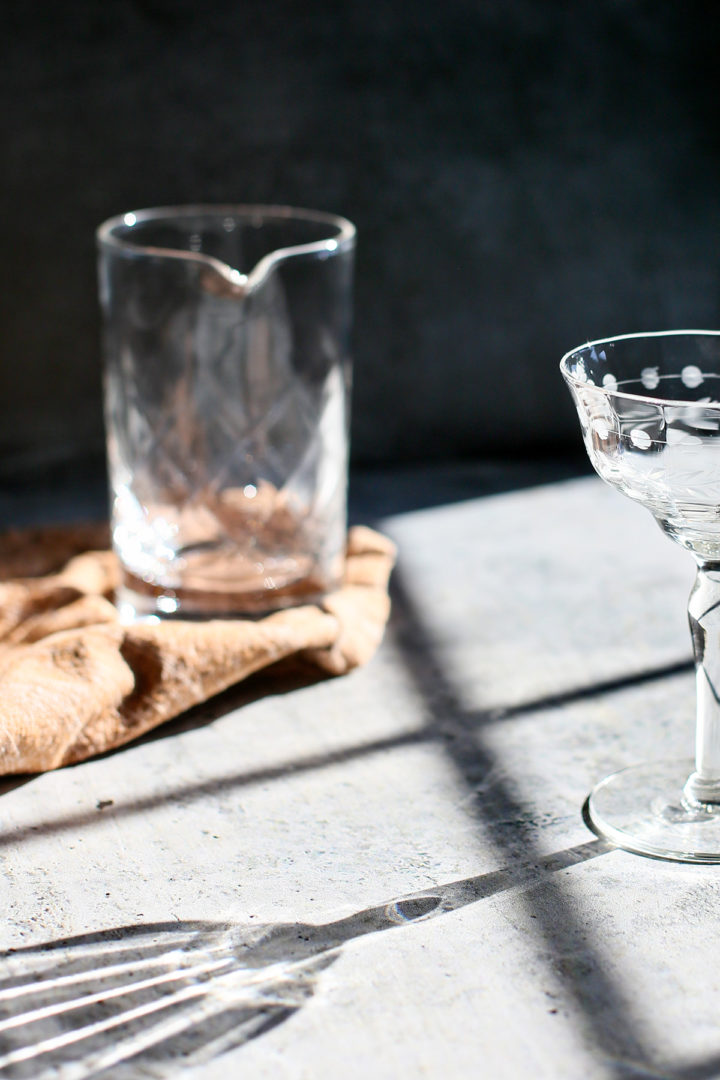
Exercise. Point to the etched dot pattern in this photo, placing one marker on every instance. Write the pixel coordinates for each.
(692, 376)
(640, 439)
(652, 430)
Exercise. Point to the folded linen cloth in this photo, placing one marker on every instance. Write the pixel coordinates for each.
(75, 682)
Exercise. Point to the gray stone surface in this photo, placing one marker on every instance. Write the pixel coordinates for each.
(538, 641)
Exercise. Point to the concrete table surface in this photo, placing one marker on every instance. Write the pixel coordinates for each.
(388, 875)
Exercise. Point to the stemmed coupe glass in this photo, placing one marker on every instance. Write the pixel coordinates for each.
(649, 407)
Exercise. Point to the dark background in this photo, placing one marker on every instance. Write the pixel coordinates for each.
(524, 175)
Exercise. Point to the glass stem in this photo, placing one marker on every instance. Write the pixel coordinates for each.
(703, 785)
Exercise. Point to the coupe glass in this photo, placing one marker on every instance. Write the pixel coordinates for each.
(649, 406)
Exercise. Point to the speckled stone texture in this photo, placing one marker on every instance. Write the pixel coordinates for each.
(391, 870)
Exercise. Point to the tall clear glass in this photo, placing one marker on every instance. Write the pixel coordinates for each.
(227, 385)
(649, 408)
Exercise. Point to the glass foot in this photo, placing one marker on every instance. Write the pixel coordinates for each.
(643, 809)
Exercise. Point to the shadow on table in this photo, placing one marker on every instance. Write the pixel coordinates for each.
(177, 994)
(285, 677)
(77, 490)
(613, 1024)
(214, 987)
(377, 493)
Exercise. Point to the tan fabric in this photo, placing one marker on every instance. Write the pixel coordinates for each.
(75, 682)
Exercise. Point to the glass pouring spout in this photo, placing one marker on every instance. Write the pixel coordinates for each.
(232, 247)
(227, 384)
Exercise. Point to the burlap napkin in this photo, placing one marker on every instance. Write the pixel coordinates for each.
(74, 682)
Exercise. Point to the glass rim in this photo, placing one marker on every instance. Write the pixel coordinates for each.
(342, 241)
(580, 384)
